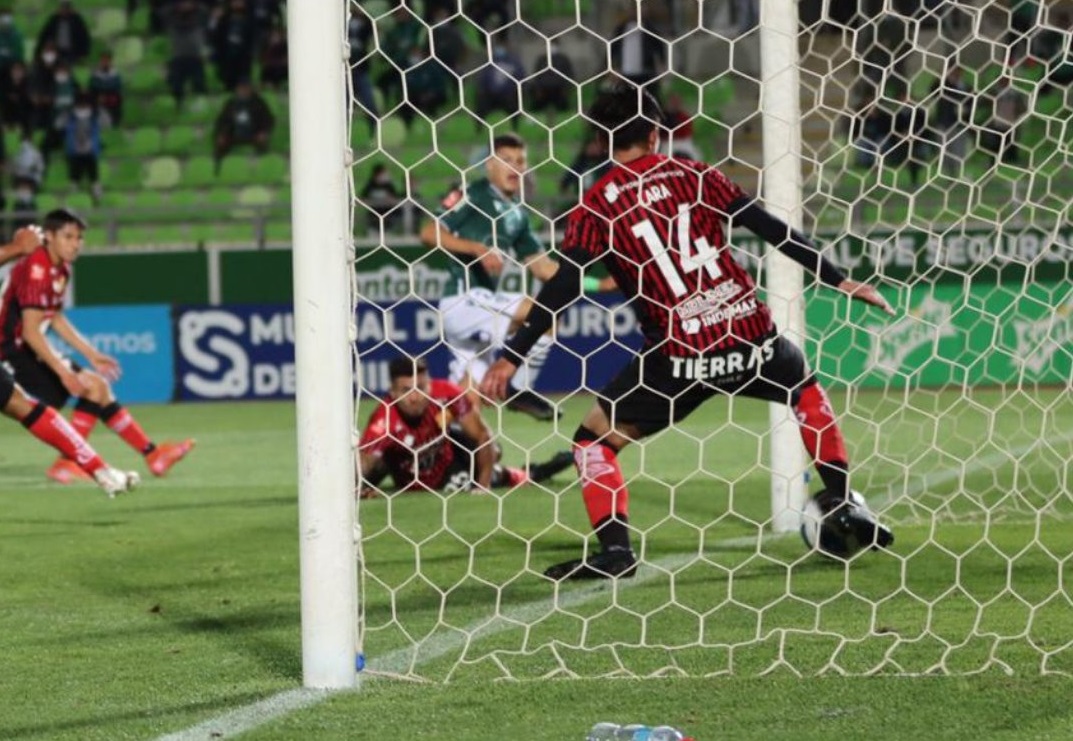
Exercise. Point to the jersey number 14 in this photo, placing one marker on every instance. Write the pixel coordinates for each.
(693, 254)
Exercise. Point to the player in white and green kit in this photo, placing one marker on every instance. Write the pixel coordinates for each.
(486, 229)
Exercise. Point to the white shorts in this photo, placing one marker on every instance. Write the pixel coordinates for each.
(475, 326)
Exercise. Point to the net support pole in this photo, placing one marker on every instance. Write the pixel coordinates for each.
(781, 124)
(322, 319)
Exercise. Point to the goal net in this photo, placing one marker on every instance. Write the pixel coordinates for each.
(934, 163)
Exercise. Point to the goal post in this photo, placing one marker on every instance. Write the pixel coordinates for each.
(780, 108)
(323, 316)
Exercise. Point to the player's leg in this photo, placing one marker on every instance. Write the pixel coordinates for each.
(783, 376)
(99, 399)
(49, 426)
(641, 400)
(523, 398)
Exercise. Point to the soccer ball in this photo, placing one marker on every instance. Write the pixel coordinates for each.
(822, 537)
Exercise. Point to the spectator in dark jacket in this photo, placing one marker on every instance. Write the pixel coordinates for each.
(67, 29)
(273, 60)
(16, 107)
(244, 119)
(106, 91)
(498, 83)
(231, 36)
(186, 22)
(12, 45)
(551, 87)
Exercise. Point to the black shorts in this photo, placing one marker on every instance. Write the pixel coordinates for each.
(655, 390)
(37, 379)
(7, 386)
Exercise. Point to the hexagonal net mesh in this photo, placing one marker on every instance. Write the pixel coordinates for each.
(934, 154)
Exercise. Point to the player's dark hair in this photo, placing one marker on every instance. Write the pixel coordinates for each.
(510, 141)
(626, 115)
(404, 366)
(61, 217)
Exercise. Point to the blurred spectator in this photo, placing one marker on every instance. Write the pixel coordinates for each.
(381, 197)
(83, 146)
(106, 91)
(679, 125)
(448, 46)
(244, 119)
(360, 36)
(590, 164)
(491, 14)
(65, 91)
(186, 22)
(27, 166)
(265, 15)
(427, 86)
(41, 86)
(1024, 22)
(636, 53)
(16, 107)
(951, 117)
(27, 173)
(872, 133)
(400, 44)
(746, 16)
(12, 45)
(432, 10)
(999, 138)
(67, 29)
(908, 145)
(273, 60)
(156, 14)
(497, 84)
(231, 34)
(551, 87)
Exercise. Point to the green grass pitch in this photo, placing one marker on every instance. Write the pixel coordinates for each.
(146, 615)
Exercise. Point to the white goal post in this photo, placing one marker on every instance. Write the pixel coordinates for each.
(323, 317)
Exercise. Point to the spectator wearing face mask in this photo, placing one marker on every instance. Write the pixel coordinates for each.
(82, 144)
(67, 29)
(12, 45)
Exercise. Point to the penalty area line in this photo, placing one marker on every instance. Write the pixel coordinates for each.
(403, 661)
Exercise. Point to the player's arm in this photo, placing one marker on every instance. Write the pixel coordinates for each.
(799, 248)
(561, 290)
(435, 234)
(484, 455)
(106, 365)
(23, 242)
(33, 334)
(371, 471)
(542, 266)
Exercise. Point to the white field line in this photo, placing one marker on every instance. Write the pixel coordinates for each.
(403, 661)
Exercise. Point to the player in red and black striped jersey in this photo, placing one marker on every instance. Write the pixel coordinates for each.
(660, 226)
(32, 303)
(427, 435)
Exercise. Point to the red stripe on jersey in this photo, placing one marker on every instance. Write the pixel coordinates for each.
(659, 224)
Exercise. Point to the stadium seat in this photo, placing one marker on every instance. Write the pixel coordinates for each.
(183, 140)
(145, 206)
(236, 169)
(78, 201)
(161, 173)
(127, 52)
(199, 172)
(145, 142)
(145, 79)
(271, 169)
(392, 132)
(253, 202)
(200, 109)
(123, 173)
(113, 142)
(108, 22)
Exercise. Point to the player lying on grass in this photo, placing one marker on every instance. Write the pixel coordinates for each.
(427, 436)
(660, 226)
(32, 302)
(43, 422)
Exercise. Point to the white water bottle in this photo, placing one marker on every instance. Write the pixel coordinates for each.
(633, 732)
(665, 733)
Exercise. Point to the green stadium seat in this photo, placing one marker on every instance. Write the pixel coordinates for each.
(392, 132)
(146, 78)
(56, 180)
(184, 140)
(127, 52)
(135, 235)
(108, 22)
(144, 206)
(271, 169)
(200, 110)
(236, 169)
(161, 173)
(199, 172)
(123, 173)
(253, 201)
(186, 200)
(145, 142)
(78, 201)
(113, 142)
(157, 50)
(278, 231)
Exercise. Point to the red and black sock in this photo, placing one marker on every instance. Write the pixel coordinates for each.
(823, 439)
(120, 421)
(49, 426)
(85, 417)
(603, 489)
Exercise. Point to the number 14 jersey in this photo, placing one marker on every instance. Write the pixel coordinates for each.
(659, 225)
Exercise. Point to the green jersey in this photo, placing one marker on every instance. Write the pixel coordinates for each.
(482, 213)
